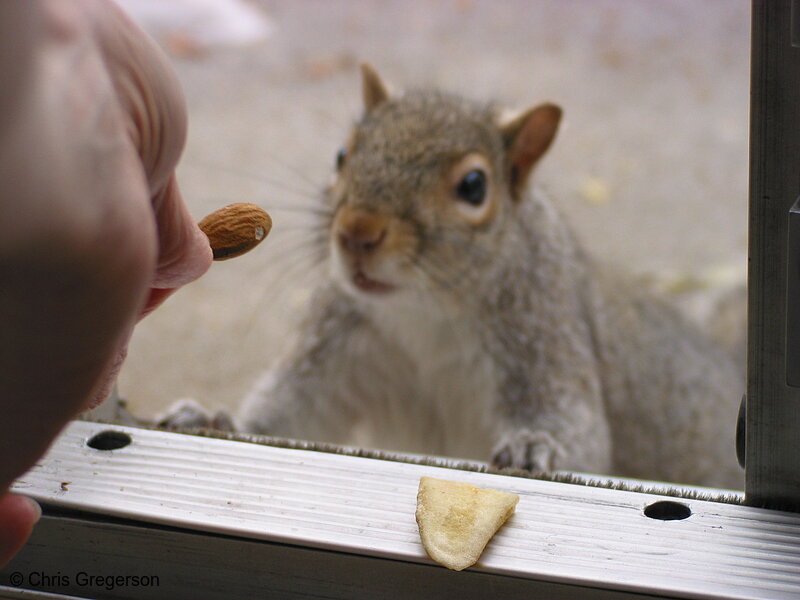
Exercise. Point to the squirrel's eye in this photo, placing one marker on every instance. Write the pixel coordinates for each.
(340, 156)
(472, 189)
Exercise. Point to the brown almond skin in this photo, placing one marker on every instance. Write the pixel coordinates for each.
(235, 229)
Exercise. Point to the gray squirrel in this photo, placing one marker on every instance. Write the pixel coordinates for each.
(461, 317)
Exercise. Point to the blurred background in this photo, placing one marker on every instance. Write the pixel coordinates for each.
(650, 166)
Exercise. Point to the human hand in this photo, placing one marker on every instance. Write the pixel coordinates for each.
(95, 233)
(18, 515)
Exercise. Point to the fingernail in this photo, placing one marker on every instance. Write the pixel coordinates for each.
(35, 508)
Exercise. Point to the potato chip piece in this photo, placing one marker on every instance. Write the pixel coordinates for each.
(456, 520)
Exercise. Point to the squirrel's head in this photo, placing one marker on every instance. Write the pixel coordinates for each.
(425, 188)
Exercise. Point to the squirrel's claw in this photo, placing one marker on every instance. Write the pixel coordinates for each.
(189, 414)
(535, 451)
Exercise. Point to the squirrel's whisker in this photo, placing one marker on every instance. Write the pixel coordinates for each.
(310, 192)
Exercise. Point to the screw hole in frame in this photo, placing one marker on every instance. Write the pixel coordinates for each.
(109, 440)
(667, 510)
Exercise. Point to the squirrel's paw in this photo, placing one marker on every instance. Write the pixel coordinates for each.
(535, 451)
(189, 414)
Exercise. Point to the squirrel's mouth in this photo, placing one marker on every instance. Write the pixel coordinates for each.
(371, 286)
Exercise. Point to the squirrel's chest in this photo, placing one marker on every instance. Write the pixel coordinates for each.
(452, 387)
(444, 352)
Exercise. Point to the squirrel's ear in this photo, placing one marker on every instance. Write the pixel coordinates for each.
(527, 138)
(372, 88)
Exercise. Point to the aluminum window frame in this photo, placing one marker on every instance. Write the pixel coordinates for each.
(199, 562)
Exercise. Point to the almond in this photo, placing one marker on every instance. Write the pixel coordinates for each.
(235, 229)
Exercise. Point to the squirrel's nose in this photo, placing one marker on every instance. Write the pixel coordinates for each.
(361, 233)
(361, 242)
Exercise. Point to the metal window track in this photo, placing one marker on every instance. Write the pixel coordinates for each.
(213, 518)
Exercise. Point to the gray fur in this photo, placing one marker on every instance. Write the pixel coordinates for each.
(508, 344)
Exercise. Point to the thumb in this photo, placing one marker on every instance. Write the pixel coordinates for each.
(18, 515)
(184, 253)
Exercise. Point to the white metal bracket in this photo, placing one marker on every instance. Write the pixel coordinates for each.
(213, 518)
